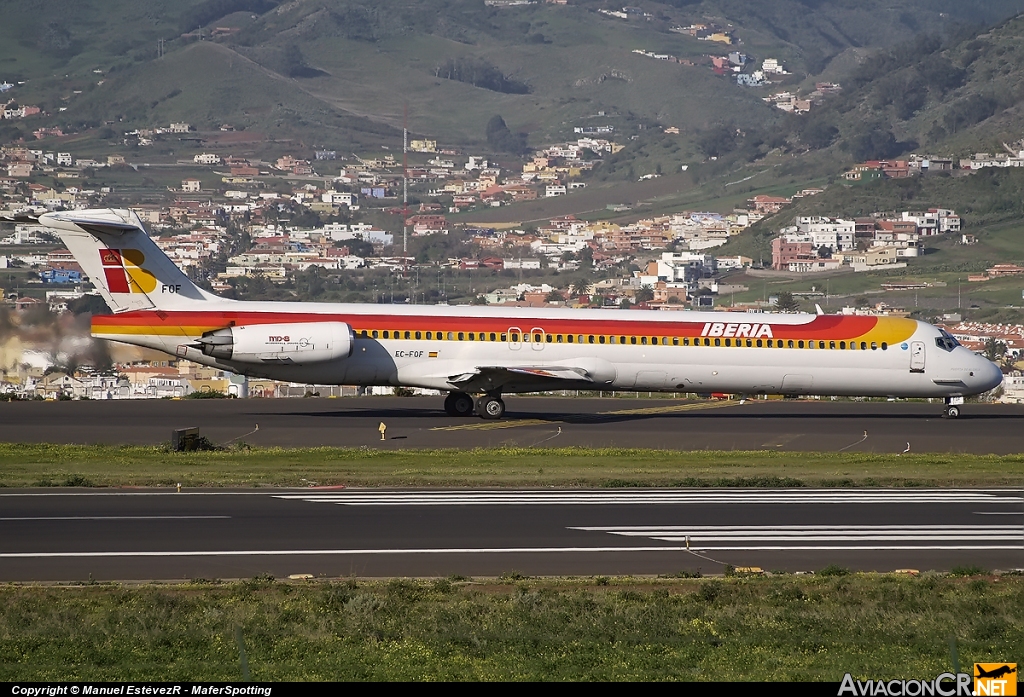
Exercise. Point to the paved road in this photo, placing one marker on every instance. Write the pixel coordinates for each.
(72, 535)
(418, 422)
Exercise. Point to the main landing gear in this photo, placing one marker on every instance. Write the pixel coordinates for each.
(952, 410)
(458, 404)
(486, 407)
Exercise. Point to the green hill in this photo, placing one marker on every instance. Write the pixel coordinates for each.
(319, 72)
(339, 74)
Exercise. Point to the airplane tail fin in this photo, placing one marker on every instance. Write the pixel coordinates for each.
(125, 265)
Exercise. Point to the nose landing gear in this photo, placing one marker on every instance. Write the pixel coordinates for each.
(952, 410)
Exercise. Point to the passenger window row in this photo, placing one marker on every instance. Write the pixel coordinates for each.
(538, 337)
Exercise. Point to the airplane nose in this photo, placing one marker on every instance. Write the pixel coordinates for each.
(987, 375)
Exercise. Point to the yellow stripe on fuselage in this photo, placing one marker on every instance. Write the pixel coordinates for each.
(114, 332)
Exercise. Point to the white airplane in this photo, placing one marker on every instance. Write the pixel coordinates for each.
(477, 354)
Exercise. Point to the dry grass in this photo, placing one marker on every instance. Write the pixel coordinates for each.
(82, 465)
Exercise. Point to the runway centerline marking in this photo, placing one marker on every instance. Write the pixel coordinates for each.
(584, 418)
(328, 552)
(470, 550)
(801, 537)
(649, 497)
(119, 517)
(168, 492)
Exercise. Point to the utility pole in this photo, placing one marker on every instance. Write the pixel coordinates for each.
(405, 185)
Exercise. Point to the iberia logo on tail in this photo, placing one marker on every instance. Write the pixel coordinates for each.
(122, 269)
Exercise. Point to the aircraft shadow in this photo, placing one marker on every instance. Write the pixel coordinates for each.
(437, 416)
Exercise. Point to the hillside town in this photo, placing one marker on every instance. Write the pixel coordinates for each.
(237, 219)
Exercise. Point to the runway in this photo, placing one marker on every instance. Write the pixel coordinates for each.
(76, 535)
(419, 422)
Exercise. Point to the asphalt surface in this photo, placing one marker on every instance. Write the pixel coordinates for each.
(68, 535)
(419, 422)
(75, 535)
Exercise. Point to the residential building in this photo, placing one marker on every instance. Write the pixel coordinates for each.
(785, 252)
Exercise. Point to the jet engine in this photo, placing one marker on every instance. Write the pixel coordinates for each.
(297, 343)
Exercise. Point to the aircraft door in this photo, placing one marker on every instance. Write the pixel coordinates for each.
(515, 338)
(537, 339)
(916, 356)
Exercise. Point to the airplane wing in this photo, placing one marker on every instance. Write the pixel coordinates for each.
(519, 378)
(19, 218)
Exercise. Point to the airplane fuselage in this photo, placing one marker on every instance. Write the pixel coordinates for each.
(428, 346)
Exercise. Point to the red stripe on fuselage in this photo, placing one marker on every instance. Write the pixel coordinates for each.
(824, 327)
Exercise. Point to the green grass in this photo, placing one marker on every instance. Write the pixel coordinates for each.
(80, 465)
(794, 628)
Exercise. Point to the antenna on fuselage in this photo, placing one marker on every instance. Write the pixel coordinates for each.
(818, 310)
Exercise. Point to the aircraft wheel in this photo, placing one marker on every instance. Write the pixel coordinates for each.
(490, 407)
(952, 412)
(458, 404)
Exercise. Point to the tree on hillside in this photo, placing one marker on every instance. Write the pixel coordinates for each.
(873, 141)
(717, 141)
(586, 257)
(501, 139)
(787, 303)
(293, 63)
(994, 349)
(645, 294)
(581, 286)
(819, 133)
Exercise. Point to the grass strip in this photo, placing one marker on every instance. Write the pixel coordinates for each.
(780, 627)
(103, 465)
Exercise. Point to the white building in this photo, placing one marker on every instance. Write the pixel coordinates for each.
(935, 221)
(836, 234)
(357, 231)
(338, 198)
(207, 158)
(521, 263)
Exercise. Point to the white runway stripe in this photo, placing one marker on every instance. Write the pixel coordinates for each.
(119, 517)
(620, 497)
(461, 550)
(800, 536)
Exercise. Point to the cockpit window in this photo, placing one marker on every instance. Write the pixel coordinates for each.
(946, 342)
